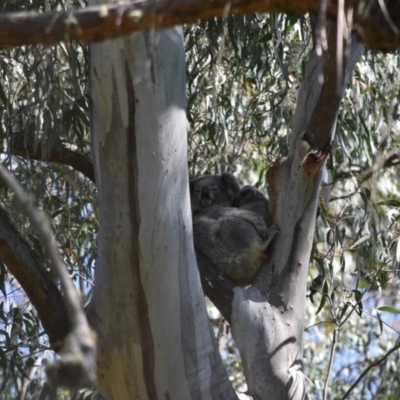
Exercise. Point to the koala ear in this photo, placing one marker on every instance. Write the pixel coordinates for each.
(247, 192)
(230, 182)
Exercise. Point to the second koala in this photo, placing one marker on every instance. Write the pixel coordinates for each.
(253, 200)
(234, 240)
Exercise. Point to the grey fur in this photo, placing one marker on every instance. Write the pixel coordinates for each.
(235, 240)
(253, 200)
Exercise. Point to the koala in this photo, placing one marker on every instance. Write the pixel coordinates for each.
(253, 200)
(235, 240)
(210, 190)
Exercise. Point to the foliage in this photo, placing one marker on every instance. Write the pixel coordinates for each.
(43, 97)
(243, 78)
(243, 75)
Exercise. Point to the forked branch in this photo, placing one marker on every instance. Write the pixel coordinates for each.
(24, 264)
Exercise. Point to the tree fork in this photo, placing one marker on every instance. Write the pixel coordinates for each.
(268, 318)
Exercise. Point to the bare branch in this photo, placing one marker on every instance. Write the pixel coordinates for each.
(111, 21)
(376, 24)
(61, 152)
(379, 24)
(78, 365)
(333, 351)
(371, 366)
(36, 281)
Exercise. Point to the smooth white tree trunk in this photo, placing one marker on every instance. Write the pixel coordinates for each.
(155, 340)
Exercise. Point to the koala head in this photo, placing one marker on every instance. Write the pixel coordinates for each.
(211, 190)
(249, 194)
(253, 200)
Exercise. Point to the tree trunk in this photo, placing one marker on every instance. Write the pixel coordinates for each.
(268, 318)
(155, 340)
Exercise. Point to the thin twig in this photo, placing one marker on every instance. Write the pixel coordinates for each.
(40, 222)
(373, 365)
(383, 322)
(333, 351)
(77, 366)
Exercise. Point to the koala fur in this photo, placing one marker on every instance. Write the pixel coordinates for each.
(235, 240)
(253, 200)
(210, 190)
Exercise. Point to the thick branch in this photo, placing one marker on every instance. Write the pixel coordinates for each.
(336, 73)
(378, 27)
(61, 152)
(102, 22)
(271, 344)
(36, 281)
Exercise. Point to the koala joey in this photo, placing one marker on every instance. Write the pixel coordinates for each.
(253, 200)
(210, 190)
(234, 240)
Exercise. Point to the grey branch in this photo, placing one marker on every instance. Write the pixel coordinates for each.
(378, 26)
(23, 144)
(37, 282)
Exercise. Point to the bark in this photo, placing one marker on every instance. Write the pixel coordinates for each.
(36, 281)
(267, 318)
(379, 25)
(23, 144)
(377, 22)
(155, 340)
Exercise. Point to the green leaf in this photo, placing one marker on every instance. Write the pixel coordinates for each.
(389, 309)
(391, 203)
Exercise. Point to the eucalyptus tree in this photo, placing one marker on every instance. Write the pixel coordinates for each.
(147, 306)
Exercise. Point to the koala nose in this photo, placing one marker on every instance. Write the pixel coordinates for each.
(205, 193)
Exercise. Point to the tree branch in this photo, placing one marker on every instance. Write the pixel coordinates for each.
(110, 21)
(331, 358)
(371, 366)
(321, 127)
(36, 281)
(378, 26)
(267, 321)
(77, 367)
(61, 152)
